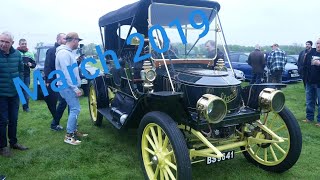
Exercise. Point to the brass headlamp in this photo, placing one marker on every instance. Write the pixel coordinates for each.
(212, 108)
(271, 100)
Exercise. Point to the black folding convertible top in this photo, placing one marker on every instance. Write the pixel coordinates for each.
(129, 11)
(136, 14)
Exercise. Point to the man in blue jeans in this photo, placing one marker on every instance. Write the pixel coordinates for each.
(11, 66)
(311, 68)
(70, 85)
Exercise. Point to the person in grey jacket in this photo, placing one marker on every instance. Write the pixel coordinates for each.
(70, 84)
(257, 62)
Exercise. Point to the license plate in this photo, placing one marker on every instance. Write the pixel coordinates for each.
(294, 75)
(227, 155)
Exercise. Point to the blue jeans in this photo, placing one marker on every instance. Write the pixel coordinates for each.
(8, 117)
(256, 78)
(74, 105)
(312, 93)
(26, 81)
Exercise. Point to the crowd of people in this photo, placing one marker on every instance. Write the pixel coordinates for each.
(308, 67)
(17, 63)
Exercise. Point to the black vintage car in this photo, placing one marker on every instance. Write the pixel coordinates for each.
(185, 111)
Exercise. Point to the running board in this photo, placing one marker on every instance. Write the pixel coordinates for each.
(106, 112)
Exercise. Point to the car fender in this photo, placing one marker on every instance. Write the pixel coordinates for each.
(250, 93)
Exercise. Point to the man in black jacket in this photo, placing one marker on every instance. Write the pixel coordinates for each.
(311, 71)
(301, 60)
(257, 62)
(54, 97)
(211, 48)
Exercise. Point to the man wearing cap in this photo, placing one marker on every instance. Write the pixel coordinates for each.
(276, 62)
(65, 58)
(301, 59)
(257, 62)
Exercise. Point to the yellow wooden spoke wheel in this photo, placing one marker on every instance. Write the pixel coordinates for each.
(96, 117)
(276, 156)
(163, 151)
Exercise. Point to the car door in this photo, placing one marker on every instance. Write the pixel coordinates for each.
(234, 59)
(244, 66)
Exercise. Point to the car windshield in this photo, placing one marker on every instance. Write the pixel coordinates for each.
(292, 59)
(195, 48)
(41, 56)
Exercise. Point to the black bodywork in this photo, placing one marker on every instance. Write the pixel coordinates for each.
(191, 80)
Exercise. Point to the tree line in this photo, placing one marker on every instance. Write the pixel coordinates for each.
(90, 49)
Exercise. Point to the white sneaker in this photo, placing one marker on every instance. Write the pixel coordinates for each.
(71, 139)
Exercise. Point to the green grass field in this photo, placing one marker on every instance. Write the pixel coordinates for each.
(110, 154)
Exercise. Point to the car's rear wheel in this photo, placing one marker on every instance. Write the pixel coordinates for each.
(276, 157)
(96, 116)
(162, 149)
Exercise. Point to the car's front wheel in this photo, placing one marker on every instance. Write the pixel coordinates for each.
(276, 157)
(162, 149)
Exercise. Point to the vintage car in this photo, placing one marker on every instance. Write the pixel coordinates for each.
(184, 111)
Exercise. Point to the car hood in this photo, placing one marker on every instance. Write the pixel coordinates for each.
(290, 66)
(205, 77)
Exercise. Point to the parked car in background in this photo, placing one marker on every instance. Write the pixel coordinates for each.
(239, 74)
(239, 61)
(293, 59)
(40, 59)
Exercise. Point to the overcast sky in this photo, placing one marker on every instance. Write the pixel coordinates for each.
(245, 22)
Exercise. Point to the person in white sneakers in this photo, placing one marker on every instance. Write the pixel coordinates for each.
(71, 91)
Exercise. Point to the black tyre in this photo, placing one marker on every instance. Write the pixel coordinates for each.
(277, 157)
(85, 88)
(96, 116)
(162, 149)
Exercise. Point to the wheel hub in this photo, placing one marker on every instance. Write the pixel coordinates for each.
(265, 135)
(159, 159)
(154, 160)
